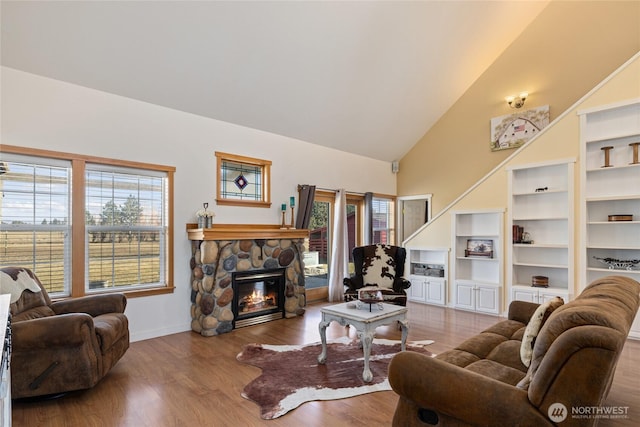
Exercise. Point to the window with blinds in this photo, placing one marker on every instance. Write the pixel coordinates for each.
(86, 224)
(35, 218)
(125, 219)
(383, 220)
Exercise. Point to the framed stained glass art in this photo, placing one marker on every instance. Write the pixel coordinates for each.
(243, 181)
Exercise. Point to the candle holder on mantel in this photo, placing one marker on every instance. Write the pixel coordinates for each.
(635, 145)
(607, 156)
(284, 211)
(292, 203)
(292, 226)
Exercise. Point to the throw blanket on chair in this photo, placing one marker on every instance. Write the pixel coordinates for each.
(16, 282)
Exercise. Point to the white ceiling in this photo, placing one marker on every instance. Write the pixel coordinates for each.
(367, 77)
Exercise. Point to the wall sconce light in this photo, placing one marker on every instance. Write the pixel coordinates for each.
(517, 101)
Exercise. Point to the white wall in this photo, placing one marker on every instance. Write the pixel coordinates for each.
(43, 113)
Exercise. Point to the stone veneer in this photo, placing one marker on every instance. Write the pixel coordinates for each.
(212, 265)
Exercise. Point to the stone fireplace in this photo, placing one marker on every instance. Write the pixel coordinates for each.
(227, 256)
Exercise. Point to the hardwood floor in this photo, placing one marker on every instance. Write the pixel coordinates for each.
(188, 380)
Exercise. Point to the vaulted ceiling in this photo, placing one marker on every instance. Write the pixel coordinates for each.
(367, 77)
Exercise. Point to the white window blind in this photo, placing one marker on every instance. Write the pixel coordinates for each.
(35, 220)
(382, 217)
(126, 224)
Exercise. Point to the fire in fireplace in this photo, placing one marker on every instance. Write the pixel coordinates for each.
(258, 296)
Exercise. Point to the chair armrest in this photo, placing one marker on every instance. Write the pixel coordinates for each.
(459, 393)
(521, 311)
(93, 305)
(46, 333)
(400, 284)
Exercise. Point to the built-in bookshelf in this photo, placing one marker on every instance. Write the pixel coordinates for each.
(610, 175)
(541, 220)
(477, 266)
(428, 268)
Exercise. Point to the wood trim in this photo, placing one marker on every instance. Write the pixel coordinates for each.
(170, 232)
(265, 165)
(78, 227)
(317, 294)
(251, 203)
(244, 232)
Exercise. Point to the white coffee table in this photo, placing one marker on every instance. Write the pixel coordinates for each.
(365, 322)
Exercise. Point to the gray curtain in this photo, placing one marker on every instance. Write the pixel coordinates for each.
(368, 218)
(306, 194)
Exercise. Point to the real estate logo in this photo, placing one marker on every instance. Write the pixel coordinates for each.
(557, 412)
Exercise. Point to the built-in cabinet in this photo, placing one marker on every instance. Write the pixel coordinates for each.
(541, 221)
(477, 266)
(610, 174)
(428, 268)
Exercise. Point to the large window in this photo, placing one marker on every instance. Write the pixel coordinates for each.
(35, 212)
(318, 256)
(112, 232)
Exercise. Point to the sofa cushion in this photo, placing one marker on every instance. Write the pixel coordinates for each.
(533, 327)
(497, 371)
(498, 344)
(379, 266)
(33, 313)
(508, 354)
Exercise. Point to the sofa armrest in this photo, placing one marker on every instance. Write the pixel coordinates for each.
(459, 393)
(522, 311)
(94, 305)
(50, 332)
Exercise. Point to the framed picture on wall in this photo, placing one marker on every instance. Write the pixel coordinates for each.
(515, 129)
(479, 247)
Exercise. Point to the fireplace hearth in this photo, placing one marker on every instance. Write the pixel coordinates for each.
(258, 296)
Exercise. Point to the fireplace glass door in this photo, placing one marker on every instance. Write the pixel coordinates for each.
(258, 296)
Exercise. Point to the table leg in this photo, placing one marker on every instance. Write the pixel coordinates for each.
(404, 324)
(367, 340)
(323, 337)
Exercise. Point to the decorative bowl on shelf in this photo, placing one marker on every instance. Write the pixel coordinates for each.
(540, 281)
(626, 217)
(618, 264)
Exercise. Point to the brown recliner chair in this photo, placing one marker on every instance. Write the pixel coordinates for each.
(64, 345)
(381, 267)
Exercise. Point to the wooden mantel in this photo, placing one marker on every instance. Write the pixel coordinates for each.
(244, 232)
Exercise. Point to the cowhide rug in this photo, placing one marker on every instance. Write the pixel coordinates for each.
(292, 376)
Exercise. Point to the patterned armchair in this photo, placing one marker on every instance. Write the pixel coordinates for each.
(379, 267)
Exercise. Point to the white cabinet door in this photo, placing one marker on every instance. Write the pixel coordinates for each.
(435, 291)
(416, 291)
(477, 297)
(544, 296)
(525, 295)
(487, 299)
(465, 296)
